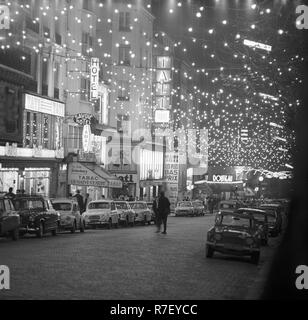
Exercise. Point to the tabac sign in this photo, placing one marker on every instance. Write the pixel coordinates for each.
(80, 175)
(4, 17)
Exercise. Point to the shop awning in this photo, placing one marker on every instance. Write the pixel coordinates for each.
(91, 175)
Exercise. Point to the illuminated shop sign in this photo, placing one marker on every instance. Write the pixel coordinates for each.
(38, 104)
(94, 70)
(222, 178)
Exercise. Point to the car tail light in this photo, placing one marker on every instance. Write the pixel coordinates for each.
(218, 237)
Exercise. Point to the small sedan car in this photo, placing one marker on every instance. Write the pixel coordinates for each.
(36, 217)
(199, 208)
(9, 219)
(70, 217)
(184, 208)
(142, 212)
(261, 220)
(274, 218)
(234, 234)
(126, 214)
(101, 213)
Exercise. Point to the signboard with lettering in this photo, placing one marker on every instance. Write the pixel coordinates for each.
(172, 177)
(47, 106)
(222, 178)
(94, 78)
(80, 175)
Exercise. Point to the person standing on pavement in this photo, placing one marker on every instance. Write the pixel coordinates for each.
(80, 202)
(11, 195)
(163, 210)
(87, 200)
(155, 209)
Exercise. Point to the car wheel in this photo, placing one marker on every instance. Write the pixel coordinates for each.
(15, 234)
(73, 230)
(149, 222)
(255, 257)
(109, 226)
(40, 231)
(209, 251)
(144, 221)
(82, 227)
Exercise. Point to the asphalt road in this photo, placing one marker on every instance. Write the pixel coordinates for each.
(128, 263)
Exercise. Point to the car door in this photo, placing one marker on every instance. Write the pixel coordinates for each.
(22, 208)
(3, 218)
(12, 221)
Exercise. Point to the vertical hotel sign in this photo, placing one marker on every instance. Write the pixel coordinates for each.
(172, 177)
(4, 17)
(94, 78)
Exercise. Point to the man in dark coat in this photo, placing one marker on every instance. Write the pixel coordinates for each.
(80, 202)
(163, 210)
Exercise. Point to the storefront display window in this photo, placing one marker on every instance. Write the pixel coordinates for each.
(42, 130)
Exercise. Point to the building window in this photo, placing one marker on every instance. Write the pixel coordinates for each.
(87, 5)
(124, 22)
(84, 88)
(74, 137)
(87, 43)
(124, 55)
(123, 124)
(123, 91)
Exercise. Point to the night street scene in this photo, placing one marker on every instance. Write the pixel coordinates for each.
(153, 151)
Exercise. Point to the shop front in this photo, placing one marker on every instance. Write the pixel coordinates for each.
(28, 174)
(92, 179)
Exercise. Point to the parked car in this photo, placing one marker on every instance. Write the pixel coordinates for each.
(9, 219)
(142, 212)
(153, 215)
(274, 212)
(125, 213)
(36, 217)
(229, 205)
(184, 208)
(234, 234)
(199, 208)
(70, 217)
(101, 213)
(261, 219)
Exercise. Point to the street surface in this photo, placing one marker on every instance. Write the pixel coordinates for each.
(128, 263)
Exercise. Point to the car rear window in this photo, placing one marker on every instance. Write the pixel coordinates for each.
(235, 221)
(99, 205)
(185, 204)
(62, 206)
(138, 206)
(121, 205)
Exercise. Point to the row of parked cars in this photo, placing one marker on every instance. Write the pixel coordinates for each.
(241, 231)
(190, 208)
(26, 214)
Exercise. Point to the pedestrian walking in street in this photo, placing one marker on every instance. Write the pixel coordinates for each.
(80, 202)
(163, 210)
(11, 195)
(87, 200)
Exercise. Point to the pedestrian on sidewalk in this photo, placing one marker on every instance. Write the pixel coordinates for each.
(11, 195)
(87, 200)
(80, 202)
(163, 210)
